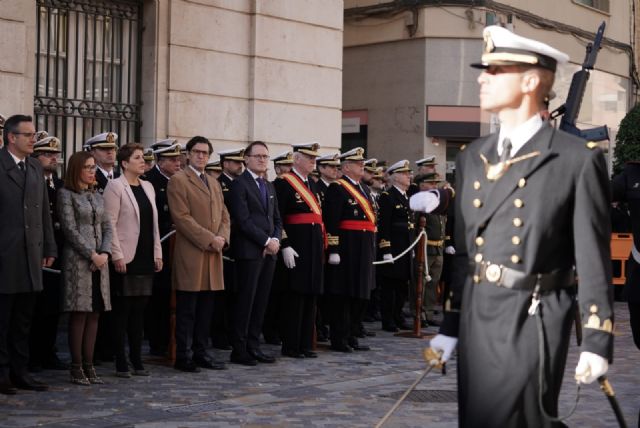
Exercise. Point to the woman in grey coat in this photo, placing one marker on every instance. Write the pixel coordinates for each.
(85, 275)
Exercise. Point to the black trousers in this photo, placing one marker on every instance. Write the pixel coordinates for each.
(253, 283)
(220, 326)
(44, 326)
(157, 315)
(346, 319)
(298, 319)
(128, 321)
(193, 321)
(393, 295)
(16, 312)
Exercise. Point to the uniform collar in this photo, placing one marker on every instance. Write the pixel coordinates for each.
(520, 134)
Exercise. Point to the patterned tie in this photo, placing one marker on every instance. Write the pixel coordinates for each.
(203, 177)
(263, 191)
(21, 165)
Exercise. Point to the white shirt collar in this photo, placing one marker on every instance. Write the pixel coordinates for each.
(520, 134)
(255, 177)
(160, 171)
(327, 183)
(15, 158)
(355, 183)
(198, 173)
(299, 175)
(402, 192)
(106, 173)
(228, 176)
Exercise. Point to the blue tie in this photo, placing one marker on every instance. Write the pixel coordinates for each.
(263, 191)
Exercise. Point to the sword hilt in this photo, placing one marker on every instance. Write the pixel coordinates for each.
(434, 359)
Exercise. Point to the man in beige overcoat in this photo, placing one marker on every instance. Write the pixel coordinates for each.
(202, 231)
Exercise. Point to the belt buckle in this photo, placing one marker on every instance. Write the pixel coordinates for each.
(493, 272)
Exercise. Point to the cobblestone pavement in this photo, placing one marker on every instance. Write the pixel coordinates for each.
(334, 390)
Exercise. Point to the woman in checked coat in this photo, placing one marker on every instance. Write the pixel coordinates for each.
(85, 275)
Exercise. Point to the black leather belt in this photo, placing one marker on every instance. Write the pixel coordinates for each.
(502, 276)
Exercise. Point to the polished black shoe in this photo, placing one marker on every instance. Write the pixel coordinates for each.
(261, 357)
(341, 348)
(292, 354)
(208, 363)
(245, 359)
(358, 347)
(186, 366)
(310, 354)
(7, 388)
(27, 382)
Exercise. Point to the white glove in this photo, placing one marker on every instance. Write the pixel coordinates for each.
(334, 259)
(590, 367)
(450, 250)
(444, 344)
(288, 256)
(387, 257)
(425, 201)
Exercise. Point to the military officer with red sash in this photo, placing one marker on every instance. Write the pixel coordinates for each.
(351, 227)
(328, 168)
(302, 251)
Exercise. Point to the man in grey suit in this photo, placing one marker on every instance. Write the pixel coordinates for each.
(26, 245)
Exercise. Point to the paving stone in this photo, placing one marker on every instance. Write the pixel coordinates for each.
(334, 390)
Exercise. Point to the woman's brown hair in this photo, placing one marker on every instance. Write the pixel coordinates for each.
(125, 152)
(74, 171)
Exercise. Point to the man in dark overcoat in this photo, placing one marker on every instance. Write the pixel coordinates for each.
(26, 245)
(157, 318)
(44, 328)
(532, 203)
(232, 163)
(302, 252)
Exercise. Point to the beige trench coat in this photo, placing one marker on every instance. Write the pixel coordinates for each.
(199, 215)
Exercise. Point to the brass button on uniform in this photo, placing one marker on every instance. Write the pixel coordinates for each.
(479, 241)
(477, 203)
(478, 258)
(476, 185)
(517, 222)
(518, 203)
(515, 240)
(515, 259)
(476, 279)
(522, 182)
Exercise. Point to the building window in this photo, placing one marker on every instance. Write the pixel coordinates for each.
(88, 69)
(601, 5)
